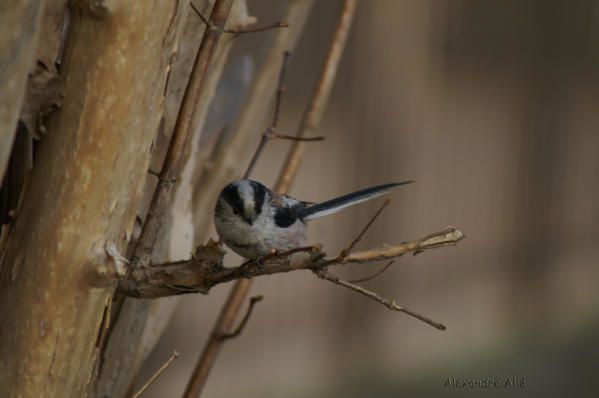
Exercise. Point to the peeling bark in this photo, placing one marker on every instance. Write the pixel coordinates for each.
(84, 190)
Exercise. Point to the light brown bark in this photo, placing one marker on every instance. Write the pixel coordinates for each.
(84, 190)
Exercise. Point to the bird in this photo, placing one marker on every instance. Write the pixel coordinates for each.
(256, 222)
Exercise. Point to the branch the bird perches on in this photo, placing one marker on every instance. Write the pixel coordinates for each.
(205, 269)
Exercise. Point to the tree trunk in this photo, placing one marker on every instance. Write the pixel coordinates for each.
(84, 190)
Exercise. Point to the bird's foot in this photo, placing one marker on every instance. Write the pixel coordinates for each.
(245, 269)
(259, 261)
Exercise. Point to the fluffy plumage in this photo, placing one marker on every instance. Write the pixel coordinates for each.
(254, 221)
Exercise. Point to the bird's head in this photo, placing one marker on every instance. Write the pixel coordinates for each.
(241, 200)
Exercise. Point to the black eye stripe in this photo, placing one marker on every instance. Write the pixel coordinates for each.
(231, 195)
(259, 196)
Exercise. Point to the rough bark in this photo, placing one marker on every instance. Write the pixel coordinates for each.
(19, 25)
(83, 192)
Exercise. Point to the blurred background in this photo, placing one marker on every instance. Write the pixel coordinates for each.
(492, 107)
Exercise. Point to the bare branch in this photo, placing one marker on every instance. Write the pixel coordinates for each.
(320, 96)
(275, 118)
(294, 138)
(253, 301)
(448, 237)
(212, 348)
(348, 249)
(270, 132)
(392, 305)
(371, 277)
(205, 270)
(156, 375)
(213, 26)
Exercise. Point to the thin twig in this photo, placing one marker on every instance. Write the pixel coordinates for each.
(267, 135)
(392, 305)
(212, 26)
(371, 277)
(358, 238)
(156, 375)
(253, 301)
(294, 138)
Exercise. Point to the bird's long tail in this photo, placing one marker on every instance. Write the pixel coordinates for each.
(340, 203)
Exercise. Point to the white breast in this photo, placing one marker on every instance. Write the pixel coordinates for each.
(261, 238)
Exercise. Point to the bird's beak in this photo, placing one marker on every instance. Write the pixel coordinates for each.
(249, 221)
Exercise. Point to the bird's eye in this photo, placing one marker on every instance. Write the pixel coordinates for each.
(236, 212)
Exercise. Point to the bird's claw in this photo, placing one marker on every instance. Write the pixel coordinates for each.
(245, 270)
(245, 273)
(259, 263)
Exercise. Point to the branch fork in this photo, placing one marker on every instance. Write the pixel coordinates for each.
(224, 335)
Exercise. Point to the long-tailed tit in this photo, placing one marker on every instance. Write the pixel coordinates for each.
(254, 221)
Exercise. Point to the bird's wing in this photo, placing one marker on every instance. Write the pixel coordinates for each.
(287, 211)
